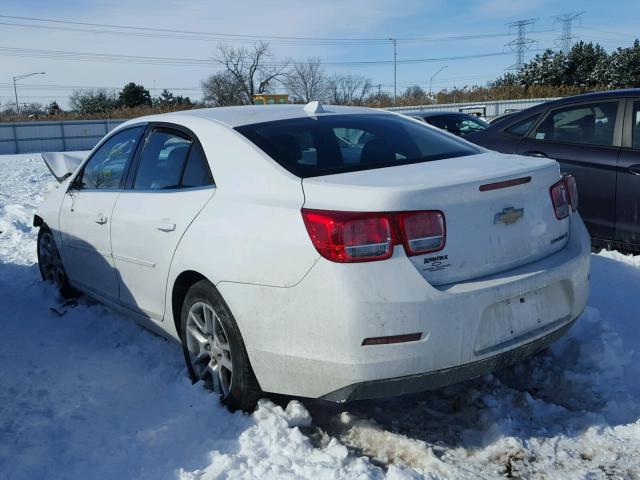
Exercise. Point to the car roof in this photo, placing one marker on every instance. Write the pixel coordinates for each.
(250, 114)
(429, 113)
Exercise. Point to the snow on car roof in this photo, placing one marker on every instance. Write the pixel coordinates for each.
(248, 114)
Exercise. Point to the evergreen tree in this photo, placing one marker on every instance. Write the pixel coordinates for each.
(133, 95)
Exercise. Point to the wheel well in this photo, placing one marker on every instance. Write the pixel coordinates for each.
(180, 288)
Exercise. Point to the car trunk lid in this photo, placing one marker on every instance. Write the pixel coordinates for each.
(497, 209)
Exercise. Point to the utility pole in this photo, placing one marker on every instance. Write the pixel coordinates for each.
(565, 40)
(15, 89)
(521, 43)
(434, 76)
(395, 70)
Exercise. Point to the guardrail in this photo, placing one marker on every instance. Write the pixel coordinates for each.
(51, 136)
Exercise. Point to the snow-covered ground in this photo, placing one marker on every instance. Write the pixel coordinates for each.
(91, 395)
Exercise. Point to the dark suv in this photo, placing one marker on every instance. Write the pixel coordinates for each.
(596, 138)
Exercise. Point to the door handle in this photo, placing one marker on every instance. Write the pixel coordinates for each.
(635, 169)
(535, 153)
(101, 219)
(166, 226)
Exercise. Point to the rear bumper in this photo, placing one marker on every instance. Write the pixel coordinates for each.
(306, 340)
(448, 376)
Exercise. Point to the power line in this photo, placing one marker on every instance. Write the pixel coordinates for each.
(191, 62)
(521, 43)
(566, 20)
(153, 32)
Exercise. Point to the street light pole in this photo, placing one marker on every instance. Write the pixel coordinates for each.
(434, 76)
(395, 69)
(15, 89)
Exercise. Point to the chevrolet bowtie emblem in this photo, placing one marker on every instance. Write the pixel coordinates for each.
(509, 215)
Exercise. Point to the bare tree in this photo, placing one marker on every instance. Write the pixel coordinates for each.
(222, 89)
(349, 89)
(252, 68)
(307, 81)
(414, 95)
(93, 101)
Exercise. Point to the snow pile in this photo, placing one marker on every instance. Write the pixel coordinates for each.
(272, 449)
(92, 395)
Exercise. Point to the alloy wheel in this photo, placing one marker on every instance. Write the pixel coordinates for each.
(50, 261)
(209, 349)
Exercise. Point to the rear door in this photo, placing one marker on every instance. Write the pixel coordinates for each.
(85, 215)
(585, 138)
(628, 190)
(169, 184)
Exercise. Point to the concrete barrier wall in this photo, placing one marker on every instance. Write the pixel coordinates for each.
(489, 109)
(47, 136)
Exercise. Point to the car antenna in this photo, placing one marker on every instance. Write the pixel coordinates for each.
(314, 107)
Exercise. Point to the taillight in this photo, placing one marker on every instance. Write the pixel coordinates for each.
(572, 190)
(363, 237)
(350, 237)
(560, 199)
(421, 232)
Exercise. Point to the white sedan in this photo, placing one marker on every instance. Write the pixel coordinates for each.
(333, 252)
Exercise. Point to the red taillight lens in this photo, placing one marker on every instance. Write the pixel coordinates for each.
(364, 237)
(421, 232)
(350, 236)
(560, 199)
(572, 190)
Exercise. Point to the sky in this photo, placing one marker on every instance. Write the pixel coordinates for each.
(353, 31)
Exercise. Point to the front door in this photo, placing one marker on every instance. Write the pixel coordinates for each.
(85, 216)
(585, 139)
(171, 184)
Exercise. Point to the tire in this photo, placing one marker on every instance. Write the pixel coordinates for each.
(214, 350)
(50, 264)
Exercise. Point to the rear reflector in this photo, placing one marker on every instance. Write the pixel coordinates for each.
(410, 337)
(560, 199)
(505, 184)
(572, 189)
(347, 237)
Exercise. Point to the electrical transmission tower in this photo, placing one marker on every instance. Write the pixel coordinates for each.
(565, 40)
(521, 43)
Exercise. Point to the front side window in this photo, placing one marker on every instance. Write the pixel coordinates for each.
(105, 169)
(162, 161)
(313, 146)
(589, 124)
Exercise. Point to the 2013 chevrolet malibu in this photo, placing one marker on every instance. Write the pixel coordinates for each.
(333, 252)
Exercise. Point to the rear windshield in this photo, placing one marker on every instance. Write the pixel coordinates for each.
(314, 146)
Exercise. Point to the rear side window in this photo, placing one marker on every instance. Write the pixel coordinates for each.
(521, 128)
(162, 161)
(588, 123)
(196, 173)
(314, 146)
